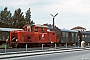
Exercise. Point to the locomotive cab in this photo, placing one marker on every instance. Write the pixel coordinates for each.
(40, 28)
(35, 28)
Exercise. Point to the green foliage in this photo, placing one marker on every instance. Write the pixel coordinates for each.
(2, 46)
(28, 17)
(5, 18)
(17, 20)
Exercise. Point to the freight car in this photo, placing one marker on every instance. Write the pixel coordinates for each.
(71, 36)
(32, 35)
(66, 36)
(84, 36)
(2, 37)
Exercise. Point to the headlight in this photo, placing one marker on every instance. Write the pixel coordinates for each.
(51, 42)
(16, 39)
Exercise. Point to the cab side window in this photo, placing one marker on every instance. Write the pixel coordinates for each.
(42, 30)
(36, 29)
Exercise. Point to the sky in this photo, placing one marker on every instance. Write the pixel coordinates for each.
(71, 13)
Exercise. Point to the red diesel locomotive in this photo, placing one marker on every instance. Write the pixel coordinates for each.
(33, 35)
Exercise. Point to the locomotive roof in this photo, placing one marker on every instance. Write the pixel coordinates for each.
(9, 29)
(38, 25)
(65, 30)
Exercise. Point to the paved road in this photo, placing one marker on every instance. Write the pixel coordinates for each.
(76, 55)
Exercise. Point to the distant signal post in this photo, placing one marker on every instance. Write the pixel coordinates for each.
(54, 18)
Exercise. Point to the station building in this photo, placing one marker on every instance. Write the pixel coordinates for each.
(79, 28)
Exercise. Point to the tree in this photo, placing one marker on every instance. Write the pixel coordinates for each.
(28, 17)
(18, 18)
(32, 22)
(5, 18)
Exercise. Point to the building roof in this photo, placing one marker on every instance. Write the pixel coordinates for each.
(78, 27)
(9, 29)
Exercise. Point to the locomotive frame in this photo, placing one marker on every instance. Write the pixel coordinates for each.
(33, 35)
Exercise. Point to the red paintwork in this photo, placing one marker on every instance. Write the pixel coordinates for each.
(27, 36)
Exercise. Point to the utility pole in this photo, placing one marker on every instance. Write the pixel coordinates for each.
(54, 18)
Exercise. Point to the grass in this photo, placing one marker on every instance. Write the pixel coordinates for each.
(2, 46)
